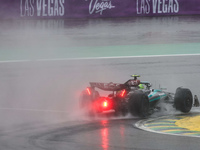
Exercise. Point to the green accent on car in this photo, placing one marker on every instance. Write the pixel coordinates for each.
(158, 90)
(152, 94)
(157, 98)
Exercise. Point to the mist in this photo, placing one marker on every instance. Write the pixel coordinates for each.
(43, 73)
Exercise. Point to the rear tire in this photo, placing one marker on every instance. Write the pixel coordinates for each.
(84, 100)
(139, 104)
(183, 100)
(87, 102)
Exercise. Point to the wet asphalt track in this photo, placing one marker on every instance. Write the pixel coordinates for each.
(39, 101)
(42, 113)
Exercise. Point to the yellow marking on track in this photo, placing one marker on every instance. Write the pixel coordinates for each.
(188, 125)
(174, 130)
(192, 133)
(191, 123)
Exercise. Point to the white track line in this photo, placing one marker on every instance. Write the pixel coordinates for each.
(92, 58)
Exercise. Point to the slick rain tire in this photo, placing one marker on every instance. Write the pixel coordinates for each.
(84, 100)
(85, 103)
(139, 105)
(183, 100)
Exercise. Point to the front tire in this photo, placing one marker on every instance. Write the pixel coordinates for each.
(183, 100)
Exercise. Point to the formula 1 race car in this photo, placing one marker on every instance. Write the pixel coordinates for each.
(134, 97)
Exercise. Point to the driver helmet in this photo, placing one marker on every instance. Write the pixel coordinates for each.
(141, 86)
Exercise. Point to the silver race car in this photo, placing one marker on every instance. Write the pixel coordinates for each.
(134, 96)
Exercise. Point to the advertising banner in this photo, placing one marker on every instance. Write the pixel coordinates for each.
(10, 9)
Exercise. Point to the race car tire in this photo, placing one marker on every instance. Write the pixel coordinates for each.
(87, 103)
(139, 104)
(84, 100)
(183, 100)
(124, 112)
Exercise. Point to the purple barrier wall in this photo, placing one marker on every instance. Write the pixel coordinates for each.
(96, 8)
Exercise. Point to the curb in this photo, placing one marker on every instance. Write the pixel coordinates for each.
(166, 125)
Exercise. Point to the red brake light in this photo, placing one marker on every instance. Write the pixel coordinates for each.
(88, 90)
(105, 104)
(123, 93)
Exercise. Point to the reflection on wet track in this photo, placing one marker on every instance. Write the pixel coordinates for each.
(104, 135)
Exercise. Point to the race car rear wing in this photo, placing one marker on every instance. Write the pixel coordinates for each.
(114, 86)
(108, 86)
